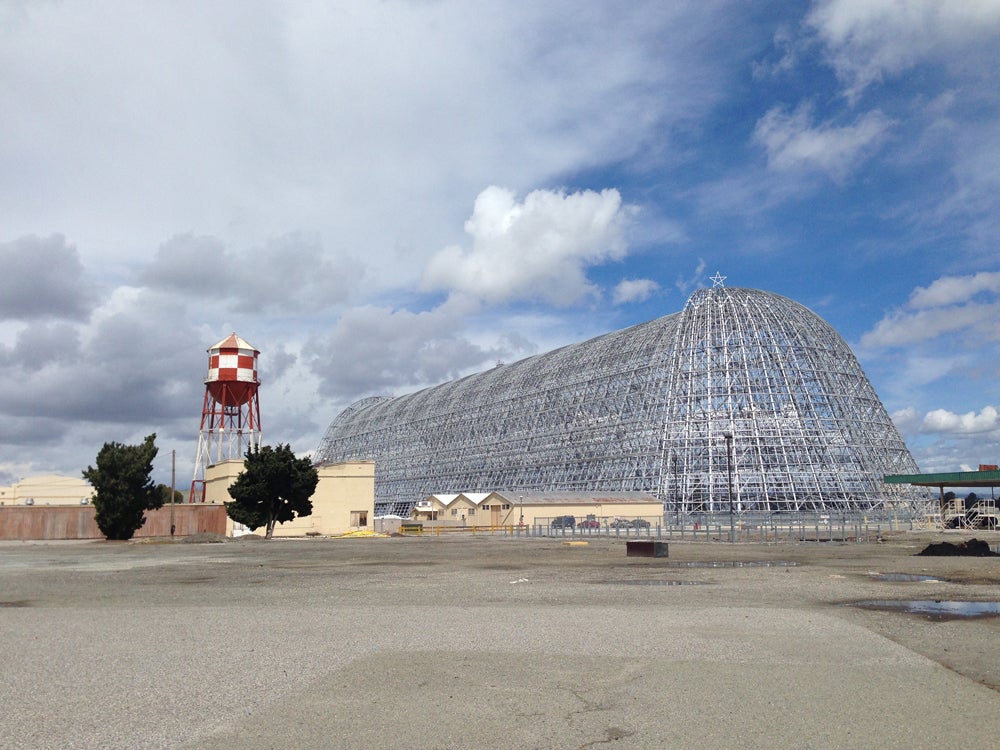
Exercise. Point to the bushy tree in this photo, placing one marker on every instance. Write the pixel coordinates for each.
(178, 496)
(274, 487)
(123, 490)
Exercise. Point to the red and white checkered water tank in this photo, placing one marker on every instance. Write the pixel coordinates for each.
(232, 371)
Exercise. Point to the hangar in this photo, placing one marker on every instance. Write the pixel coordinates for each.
(744, 399)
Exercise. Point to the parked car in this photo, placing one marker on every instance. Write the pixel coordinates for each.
(630, 523)
(563, 522)
(590, 522)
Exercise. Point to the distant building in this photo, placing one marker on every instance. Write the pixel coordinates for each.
(531, 508)
(47, 489)
(744, 399)
(344, 499)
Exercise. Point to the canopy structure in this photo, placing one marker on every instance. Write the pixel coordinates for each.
(948, 479)
(745, 400)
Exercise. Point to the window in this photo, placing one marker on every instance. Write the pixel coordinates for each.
(472, 511)
(454, 511)
(359, 518)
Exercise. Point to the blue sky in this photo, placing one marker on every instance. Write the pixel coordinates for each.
(383, 196)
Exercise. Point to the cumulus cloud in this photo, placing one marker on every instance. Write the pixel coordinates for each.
(277, 362)
(906, 420)
(634, 290)
(40, 345)
(902, 328)
(137, 363)
(42, 277)
(943, 440)
(794, 144)
(866, 41)
(536, 249)
(375, 350)
(944, 421)
(292, 273)
(963, 306)
(363, 122)
(188, 264)
(950, 290)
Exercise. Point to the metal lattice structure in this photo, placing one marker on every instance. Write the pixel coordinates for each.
(744, 397)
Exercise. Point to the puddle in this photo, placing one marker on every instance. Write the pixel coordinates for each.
(905, 578)
(733, 564)
(935, 609)
(653, 582)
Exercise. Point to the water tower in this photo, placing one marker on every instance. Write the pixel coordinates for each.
(230, 416)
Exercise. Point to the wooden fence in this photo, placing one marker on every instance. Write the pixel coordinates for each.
(49, 522)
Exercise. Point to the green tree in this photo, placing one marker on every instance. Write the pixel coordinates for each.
(123, 490)
(164, 491)
(274, 487)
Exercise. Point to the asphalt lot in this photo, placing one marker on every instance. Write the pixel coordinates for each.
(473, 642)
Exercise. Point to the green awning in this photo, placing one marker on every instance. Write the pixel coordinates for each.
(949, 479)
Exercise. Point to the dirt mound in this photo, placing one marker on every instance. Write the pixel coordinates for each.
(205, 537)
(971, 548)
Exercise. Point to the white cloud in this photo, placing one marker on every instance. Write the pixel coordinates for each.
(867, 40)
(965, 308)
(365, 124)
(696, 279)
(258, 168)
(794, 144)
(906, 420)
(634, 290)
(538, 249)
(970, 423)
(902, 328)
(950, 290)
(943, 440)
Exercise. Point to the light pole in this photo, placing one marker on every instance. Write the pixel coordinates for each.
(729, 471)
(677, 499)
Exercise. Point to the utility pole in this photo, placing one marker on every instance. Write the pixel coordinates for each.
(729, 470)
(173, 480)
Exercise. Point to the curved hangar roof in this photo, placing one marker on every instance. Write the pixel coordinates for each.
(649, 409)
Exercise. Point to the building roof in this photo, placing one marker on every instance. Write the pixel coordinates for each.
(232, 341)
(578, 498)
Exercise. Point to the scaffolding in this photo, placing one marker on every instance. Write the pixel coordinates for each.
(745, 401)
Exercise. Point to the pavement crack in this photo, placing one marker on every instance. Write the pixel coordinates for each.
(612, 734)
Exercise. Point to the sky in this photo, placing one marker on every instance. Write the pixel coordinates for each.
(381, 196)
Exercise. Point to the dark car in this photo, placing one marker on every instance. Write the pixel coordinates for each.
(630, 523)
(563, 522)
(590, 522)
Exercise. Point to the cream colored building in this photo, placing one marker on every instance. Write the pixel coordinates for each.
(344, 499)
(48, 489)
(463, 507)
(538, 508)
(432, 507)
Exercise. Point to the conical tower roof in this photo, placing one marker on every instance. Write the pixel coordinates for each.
(232, 341)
